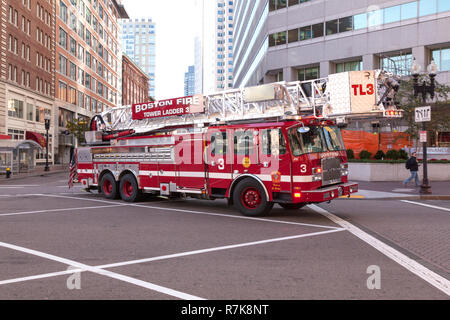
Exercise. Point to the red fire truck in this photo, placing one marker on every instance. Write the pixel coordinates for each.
(255, 147)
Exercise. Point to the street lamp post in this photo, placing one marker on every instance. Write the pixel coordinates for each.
(47, 127)
(424, 89)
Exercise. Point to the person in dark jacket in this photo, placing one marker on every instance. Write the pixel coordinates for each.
(413, 166)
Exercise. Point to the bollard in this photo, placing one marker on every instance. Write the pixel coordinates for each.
(8, 173)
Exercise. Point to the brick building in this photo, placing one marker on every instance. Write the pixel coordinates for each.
(135, 83)
(26, 76)
(88, 62)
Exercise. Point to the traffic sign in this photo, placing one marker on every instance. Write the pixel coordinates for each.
(423, 114)
(423, 136)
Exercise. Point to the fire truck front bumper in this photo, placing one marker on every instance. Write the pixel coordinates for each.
(326, 194)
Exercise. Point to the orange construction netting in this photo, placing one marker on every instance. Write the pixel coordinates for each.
(372, 142)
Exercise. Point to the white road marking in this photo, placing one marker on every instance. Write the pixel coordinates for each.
(413, 266)
(21, 195)
(426, 205)
(57, 210)
(1, 187)
(117, 276)
(20, 185)
(204, 213)
(403, 190)
(170, 256)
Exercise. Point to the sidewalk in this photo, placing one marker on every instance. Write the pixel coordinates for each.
(39, 171)
(397, 191)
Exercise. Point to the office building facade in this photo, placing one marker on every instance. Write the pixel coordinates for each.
(27, 81)
(301, 40)
(138, 39)
(216, 46)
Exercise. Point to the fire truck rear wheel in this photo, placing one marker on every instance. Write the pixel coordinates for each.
(250, 199)
(108, 187)
(292, 206)
(129, 190)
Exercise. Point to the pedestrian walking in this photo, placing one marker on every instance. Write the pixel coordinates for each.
(413, 166)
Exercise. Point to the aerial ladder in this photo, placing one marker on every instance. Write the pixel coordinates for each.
(339, 96)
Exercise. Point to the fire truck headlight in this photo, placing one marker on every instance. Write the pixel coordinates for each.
(344, 169)
(317, 174)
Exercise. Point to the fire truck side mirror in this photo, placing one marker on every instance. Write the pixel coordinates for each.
(206, 155)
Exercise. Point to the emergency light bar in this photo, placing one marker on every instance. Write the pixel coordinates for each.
(393, 114)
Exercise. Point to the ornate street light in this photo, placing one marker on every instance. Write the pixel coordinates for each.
(47, 119)
(424, 90)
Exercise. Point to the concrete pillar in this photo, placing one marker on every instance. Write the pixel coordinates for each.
(326, 68)
(290, 74)
(371, 62)
(421, 55)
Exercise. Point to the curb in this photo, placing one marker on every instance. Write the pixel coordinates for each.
(33, 175)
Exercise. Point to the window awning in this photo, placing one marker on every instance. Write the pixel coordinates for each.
(36, 137)
(4, 137)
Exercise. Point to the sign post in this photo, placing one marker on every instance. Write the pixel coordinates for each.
(423, 114)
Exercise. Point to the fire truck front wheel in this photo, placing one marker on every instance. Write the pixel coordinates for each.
(250, 198)
(108, 187)
(129, 190)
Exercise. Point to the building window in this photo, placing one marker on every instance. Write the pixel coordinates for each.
(277, 39)
(72, 96)
(63, 11)
(349, 66)
(276, 4)
(72, 71)
(30, 112)
(427, 7)
(308, 74)
(62, 91)
(62, 38)
(63, 65)
(392, 14)
(346, 24)
(15, 108)
(442, 58)
(360, 21)
(331, 27)
(16, 134)
(397, 64)
(409, 10)
(73, 47)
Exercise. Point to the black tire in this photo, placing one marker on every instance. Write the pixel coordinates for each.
(292, 206)
(129, 190)
(108, 187)
(250, 198)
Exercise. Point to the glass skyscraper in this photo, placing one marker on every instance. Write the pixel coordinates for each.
(138, 43)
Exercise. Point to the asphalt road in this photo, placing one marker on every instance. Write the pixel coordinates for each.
(195, 249)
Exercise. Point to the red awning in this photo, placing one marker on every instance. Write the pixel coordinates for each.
(36, 137)
(4, 137)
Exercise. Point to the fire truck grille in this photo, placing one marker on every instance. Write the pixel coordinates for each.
(331, 171)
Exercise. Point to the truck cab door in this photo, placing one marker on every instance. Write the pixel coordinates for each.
(219, 161)
(275, 160)
(246, 157)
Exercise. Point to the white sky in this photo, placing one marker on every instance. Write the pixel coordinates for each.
(176, 25)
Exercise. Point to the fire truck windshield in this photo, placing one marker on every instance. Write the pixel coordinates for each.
(318, 139)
